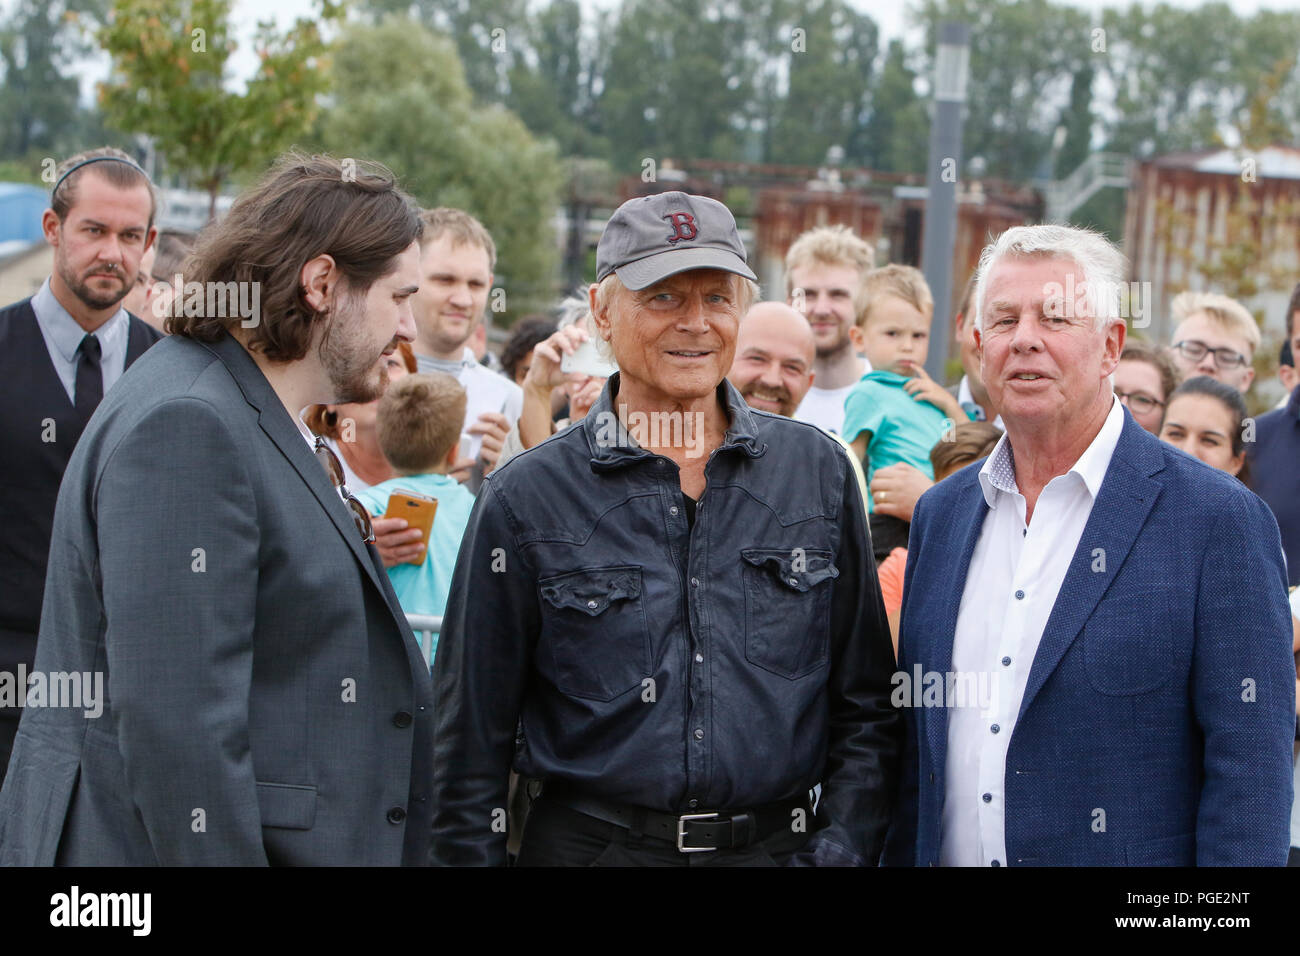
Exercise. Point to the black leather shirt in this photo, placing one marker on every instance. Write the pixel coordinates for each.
(720, 665)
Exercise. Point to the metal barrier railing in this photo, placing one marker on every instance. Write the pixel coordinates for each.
(425, 626)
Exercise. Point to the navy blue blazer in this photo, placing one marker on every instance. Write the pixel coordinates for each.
(1163, 689)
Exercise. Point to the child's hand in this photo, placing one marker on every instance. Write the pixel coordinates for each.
(925, 389)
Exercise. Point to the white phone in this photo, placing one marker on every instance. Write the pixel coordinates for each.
(587, 360)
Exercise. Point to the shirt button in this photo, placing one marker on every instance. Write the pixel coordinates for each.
(1020, 595)
(672, 510)
(699, 658)
(1006, 662)
(699, 735)
(396, 815)
(995, 728)
(692, 804)
(695, 582)
(593, 605)
(794, 582)
(402, 719)
(987, 798)
(995, 863)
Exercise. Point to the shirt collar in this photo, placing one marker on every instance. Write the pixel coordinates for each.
(964, 396)
(66, 333)
(427, 363)
(999, 471)
(602, 419)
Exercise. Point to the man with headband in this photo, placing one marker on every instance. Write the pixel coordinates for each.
(60, 351)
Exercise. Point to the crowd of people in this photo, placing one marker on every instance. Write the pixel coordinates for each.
(720, 580)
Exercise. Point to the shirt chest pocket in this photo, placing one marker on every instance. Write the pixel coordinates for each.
(595, 640)
(787, 608)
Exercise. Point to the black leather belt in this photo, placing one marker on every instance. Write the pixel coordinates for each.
(695, 832)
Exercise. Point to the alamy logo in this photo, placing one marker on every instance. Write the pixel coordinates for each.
(945, 689)
(75, 908)
(75, 689)
(638, 429)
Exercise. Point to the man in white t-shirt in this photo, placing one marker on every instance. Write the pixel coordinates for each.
(823, 277)
(457, 257)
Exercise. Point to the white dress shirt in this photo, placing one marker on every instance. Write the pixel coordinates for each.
(63, 336)
(1016, 572)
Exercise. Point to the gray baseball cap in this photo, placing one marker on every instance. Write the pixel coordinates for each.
(654, 237)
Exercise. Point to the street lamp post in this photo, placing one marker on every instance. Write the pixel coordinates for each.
(940, 226)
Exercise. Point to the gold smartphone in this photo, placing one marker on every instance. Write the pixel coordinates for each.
(418, 510)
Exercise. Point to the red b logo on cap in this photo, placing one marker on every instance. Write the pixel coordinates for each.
(682, 221)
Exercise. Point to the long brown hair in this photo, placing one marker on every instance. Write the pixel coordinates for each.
(306, 206)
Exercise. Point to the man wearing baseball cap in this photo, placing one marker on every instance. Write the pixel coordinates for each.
(667, 615)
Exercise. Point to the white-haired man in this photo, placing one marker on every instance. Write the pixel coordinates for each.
(1106, 614)
(674, 602)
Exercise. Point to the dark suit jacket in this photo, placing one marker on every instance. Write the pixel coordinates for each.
(41, 428)
(1163, 689)
(267, 701)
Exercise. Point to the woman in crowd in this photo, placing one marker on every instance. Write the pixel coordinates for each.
(517, 355)
(1144, 380)
(1203, 418)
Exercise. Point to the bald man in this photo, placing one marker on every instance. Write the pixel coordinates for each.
(773, 367)
(775, 350)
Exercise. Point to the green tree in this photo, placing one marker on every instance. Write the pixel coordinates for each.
(402, 99)
(827, 96)
(169, 80)
(677, 83)
(1078, 121)
(897, 133)
(550, 81)
(1023, 55)
(490, 35)
(39, 42)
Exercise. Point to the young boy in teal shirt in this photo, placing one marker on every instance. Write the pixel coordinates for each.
(896, 412)
(419, 423)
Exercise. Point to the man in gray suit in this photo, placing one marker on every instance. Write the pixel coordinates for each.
(267, 703)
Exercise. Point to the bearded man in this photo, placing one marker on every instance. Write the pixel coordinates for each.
(209, 564)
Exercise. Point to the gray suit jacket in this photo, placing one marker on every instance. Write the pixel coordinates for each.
(267, 702)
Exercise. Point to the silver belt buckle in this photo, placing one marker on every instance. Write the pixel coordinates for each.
(681, 832)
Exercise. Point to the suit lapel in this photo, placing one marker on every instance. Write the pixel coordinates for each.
(958, 536)
(275, 422)
(1126, 497)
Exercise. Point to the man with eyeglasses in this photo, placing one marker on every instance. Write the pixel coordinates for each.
(1214, 336)
(269, 702)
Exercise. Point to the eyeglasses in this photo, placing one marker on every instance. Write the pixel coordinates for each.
(1194, 351)
(1138, 401)
(334, 469)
